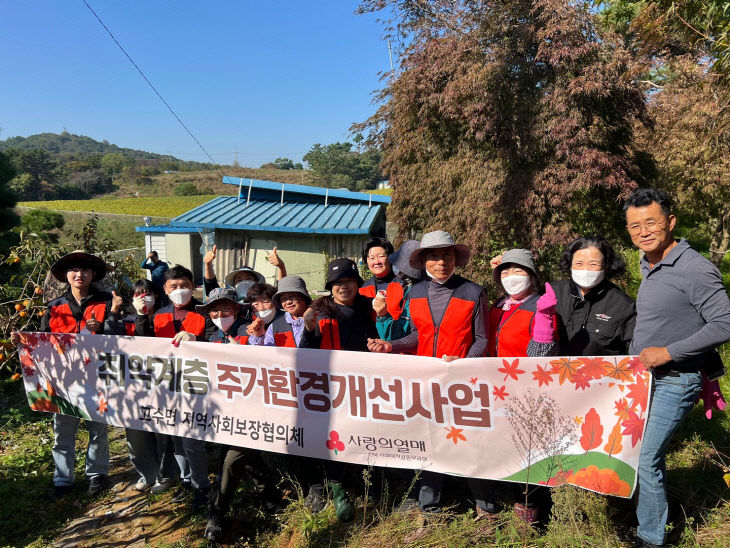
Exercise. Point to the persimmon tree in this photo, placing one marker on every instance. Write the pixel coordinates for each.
(507, 123)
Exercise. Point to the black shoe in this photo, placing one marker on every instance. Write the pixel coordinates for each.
(182, 492)
(97, 485)
(60, 491)
(213, 529)
(408, 505)
(641, 543)
(200, 499)
(316, 499)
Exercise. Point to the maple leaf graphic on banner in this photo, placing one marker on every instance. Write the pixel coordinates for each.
(633, 426)
(594, 368)
(614, 445)
(566, 368)
(500, 392)
(620, 371)
(580, 380)
(543, 376)
(638, 392)
(455, 434)
(511, 369)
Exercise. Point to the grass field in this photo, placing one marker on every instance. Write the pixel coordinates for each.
(154, 206)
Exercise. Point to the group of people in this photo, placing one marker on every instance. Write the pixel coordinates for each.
(416, 303)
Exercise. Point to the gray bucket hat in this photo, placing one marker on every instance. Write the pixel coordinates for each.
(400, 259)
(291, 284)
(217, 295)
(232, 275)
(437, 239)
(521, 257)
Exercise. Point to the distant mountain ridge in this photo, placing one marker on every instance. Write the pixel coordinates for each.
(69, 144)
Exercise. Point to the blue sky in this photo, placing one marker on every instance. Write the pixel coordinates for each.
(271, 77)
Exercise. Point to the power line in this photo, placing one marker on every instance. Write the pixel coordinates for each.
(148, 82)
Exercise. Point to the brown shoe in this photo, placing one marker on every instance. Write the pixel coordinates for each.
(482, 514)
(416, 535)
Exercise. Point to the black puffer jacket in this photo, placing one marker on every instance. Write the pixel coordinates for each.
(601, 324)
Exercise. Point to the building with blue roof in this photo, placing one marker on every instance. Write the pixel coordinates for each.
(308, 226)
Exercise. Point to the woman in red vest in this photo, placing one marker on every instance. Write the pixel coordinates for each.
(449, 318)
(384, 287)
(81, 309)
(522, 323)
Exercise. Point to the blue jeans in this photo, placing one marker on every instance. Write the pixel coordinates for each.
(151, 455)
(64, 448)
(672, 400)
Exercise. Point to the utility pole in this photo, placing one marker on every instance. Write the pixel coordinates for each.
(236, 162)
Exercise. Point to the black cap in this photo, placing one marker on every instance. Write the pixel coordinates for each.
(342, 268)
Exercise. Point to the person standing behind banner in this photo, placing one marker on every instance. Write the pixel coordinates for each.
(342, 321)
(390, 329)
(151, 453)
(157, 270)
(449, 316)
(263, 312)
(384, 287)
(286, 329)
(243, 274)
(180, 322)
(682, 315)
(81, 309)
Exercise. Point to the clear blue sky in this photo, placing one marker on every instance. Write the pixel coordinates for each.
(272, 77)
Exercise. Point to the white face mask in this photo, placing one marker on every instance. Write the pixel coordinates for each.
(181, 297)
(514, 284)
(224, 323)
(587, 278)
(243, 287)
(149, 301)
(266, 315)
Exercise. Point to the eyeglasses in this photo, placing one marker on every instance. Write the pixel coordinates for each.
(593, 265)
(373, 257)
(650, 226)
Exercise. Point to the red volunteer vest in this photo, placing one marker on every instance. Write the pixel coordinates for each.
(510, 339)
(330, 330)
(393, 296)
(62, 319)
(454, 335)
(165, 325)
(283, 334)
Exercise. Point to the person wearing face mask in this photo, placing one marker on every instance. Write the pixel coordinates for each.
(596, 317)
(449, 316)
(384, 287)
(240, 279)
(286, 329)
(180, 322)
(522, 323)
(152, 454)
(222, 308)
(263, 312)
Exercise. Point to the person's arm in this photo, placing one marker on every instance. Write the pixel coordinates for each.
(392, 330)
(209, 329)
(707, 294)
(275, 260)
(113, 324)
(266, 340)
(208, 272)
(143, 326)
(408, 344)
(627, 329)
(146, 264)
(480, 326)
(311, 335)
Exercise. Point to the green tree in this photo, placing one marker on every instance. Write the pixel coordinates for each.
(283, 163)
(113, 163)
(22, 186)
(38, 163)
(338, 165)
(186, 189)
(42, 222)
(508, 123)
(8, 218)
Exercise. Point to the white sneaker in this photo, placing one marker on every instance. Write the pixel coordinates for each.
(141, 485)
(163, 485)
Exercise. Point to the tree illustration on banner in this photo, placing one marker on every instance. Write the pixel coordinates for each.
(540, 433)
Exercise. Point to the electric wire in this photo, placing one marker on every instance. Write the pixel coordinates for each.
(148, 81)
